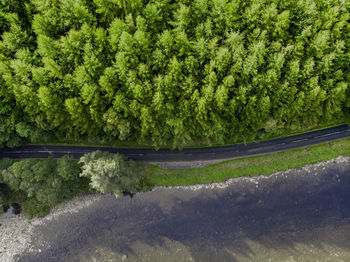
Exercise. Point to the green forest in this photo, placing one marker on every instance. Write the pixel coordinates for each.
(40, 184)
(169, 72)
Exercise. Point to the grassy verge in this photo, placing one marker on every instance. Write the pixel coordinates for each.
(252, 166)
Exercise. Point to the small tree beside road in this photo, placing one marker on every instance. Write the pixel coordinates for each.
(110, 173)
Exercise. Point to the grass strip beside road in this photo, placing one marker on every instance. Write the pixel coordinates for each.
(252, 166)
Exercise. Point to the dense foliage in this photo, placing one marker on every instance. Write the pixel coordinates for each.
(5, 191)
(170, 71)
(41, 183)
(110, 173)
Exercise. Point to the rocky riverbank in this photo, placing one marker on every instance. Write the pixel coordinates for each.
(296, 215)
(16, 231)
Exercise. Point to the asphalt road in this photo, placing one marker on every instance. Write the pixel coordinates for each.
(187, 154)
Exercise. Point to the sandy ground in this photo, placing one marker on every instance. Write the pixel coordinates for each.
(297, 215)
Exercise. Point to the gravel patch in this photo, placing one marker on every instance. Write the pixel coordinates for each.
(15, 235)
(16, 231)
(188, 164)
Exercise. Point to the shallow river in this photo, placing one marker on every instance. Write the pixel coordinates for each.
(297, 215)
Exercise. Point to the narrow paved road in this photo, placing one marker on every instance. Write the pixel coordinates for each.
(187, 154)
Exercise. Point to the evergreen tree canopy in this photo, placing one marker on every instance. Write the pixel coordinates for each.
(170, 72)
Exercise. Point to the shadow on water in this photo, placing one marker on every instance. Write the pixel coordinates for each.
(212, 223)
(128, 194)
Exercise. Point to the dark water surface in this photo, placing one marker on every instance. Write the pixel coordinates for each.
(298, 215)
